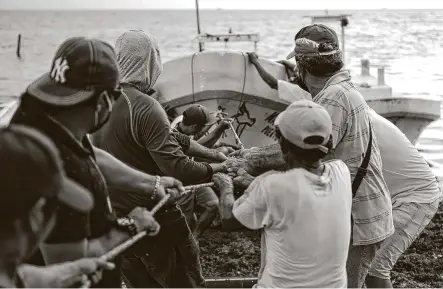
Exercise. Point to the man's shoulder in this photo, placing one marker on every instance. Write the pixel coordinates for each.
(343, 92)
(280, 179)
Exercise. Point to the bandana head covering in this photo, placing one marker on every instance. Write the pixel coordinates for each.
(139, 59)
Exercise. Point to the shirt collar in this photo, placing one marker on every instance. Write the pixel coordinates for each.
(341, 76)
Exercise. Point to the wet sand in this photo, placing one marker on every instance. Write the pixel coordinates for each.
(237, 254)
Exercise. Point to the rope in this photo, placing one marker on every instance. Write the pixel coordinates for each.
(242, 91)
(244, 81)
(192, 77)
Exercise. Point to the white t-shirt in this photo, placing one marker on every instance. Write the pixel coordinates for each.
(407, 174)
(306, 222)
(290, 92)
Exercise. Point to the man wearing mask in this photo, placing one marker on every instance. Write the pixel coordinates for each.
(32, 187)
(139, 134)
(319, 65)
(75, 98)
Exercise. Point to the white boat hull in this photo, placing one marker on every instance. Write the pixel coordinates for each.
(226, 80)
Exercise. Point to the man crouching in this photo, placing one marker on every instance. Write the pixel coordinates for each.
(305, 212)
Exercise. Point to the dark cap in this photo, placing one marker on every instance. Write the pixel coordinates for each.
(80, 67)
(197, 114)
(318, 33)
(33, 169)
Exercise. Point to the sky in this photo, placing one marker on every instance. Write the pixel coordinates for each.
(223, 4)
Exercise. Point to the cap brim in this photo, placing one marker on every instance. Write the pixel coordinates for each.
(290, 55)
(212, 119)
(278, 118)
(48, 91)
(75, 196)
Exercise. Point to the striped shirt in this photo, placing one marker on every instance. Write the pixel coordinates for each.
(371, 206)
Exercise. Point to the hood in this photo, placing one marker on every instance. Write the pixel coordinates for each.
(139, 59)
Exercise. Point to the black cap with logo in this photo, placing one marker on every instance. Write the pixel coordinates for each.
(80, 67)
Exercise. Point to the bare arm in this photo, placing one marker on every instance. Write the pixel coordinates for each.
(197, 150)
(62, 252)
(210, 140)
(81, 248)
(266, 76)
(226, 188)
(63, 275)
(121, 176)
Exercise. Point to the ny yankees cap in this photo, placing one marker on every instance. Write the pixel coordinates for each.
(80, 67)
(197, 114)
(302, 120)
(34, 171)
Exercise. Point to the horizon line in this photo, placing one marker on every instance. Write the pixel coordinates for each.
(208, 9)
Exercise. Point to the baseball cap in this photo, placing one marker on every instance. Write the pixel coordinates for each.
(316, 34)
(302, 120)
(80, 67)
(33, 169)
(199, 115)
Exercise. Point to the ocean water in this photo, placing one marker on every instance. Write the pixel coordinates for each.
(408, 43)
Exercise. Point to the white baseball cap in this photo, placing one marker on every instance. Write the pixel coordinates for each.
(304, 119)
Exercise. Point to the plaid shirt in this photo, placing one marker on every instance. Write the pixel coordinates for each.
(371, 206)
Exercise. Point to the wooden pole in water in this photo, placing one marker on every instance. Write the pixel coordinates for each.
(19, 44)
(200, 44)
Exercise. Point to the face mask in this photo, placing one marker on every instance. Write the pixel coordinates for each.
(97, 123)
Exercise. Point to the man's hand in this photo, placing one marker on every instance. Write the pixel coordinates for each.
(243, 154)
(225, 150)
(225, 123)
(170, 186)
(243, 179)
(144, 221)
(223, 182)
(253, 57)
(234, 164)
(225, 144)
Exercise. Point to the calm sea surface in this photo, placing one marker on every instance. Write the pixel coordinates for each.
(408, 43)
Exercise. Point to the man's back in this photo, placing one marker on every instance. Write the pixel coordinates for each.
(351, 126)
(306, 227)
(406, 173)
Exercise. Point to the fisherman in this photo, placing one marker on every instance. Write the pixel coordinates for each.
(75, 98)
(304, 211)
(197, 120)
(320, 72)
(139, 134)
(415, 197)
(414, 192)
(33, 184)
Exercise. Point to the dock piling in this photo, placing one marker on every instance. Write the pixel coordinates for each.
(19, 44)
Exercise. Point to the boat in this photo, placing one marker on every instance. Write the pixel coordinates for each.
(226, 81)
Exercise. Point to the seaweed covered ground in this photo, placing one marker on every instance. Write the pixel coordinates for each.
(237, 254)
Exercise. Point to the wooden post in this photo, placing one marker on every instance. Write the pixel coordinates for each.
(19, 44)
(200, 44)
